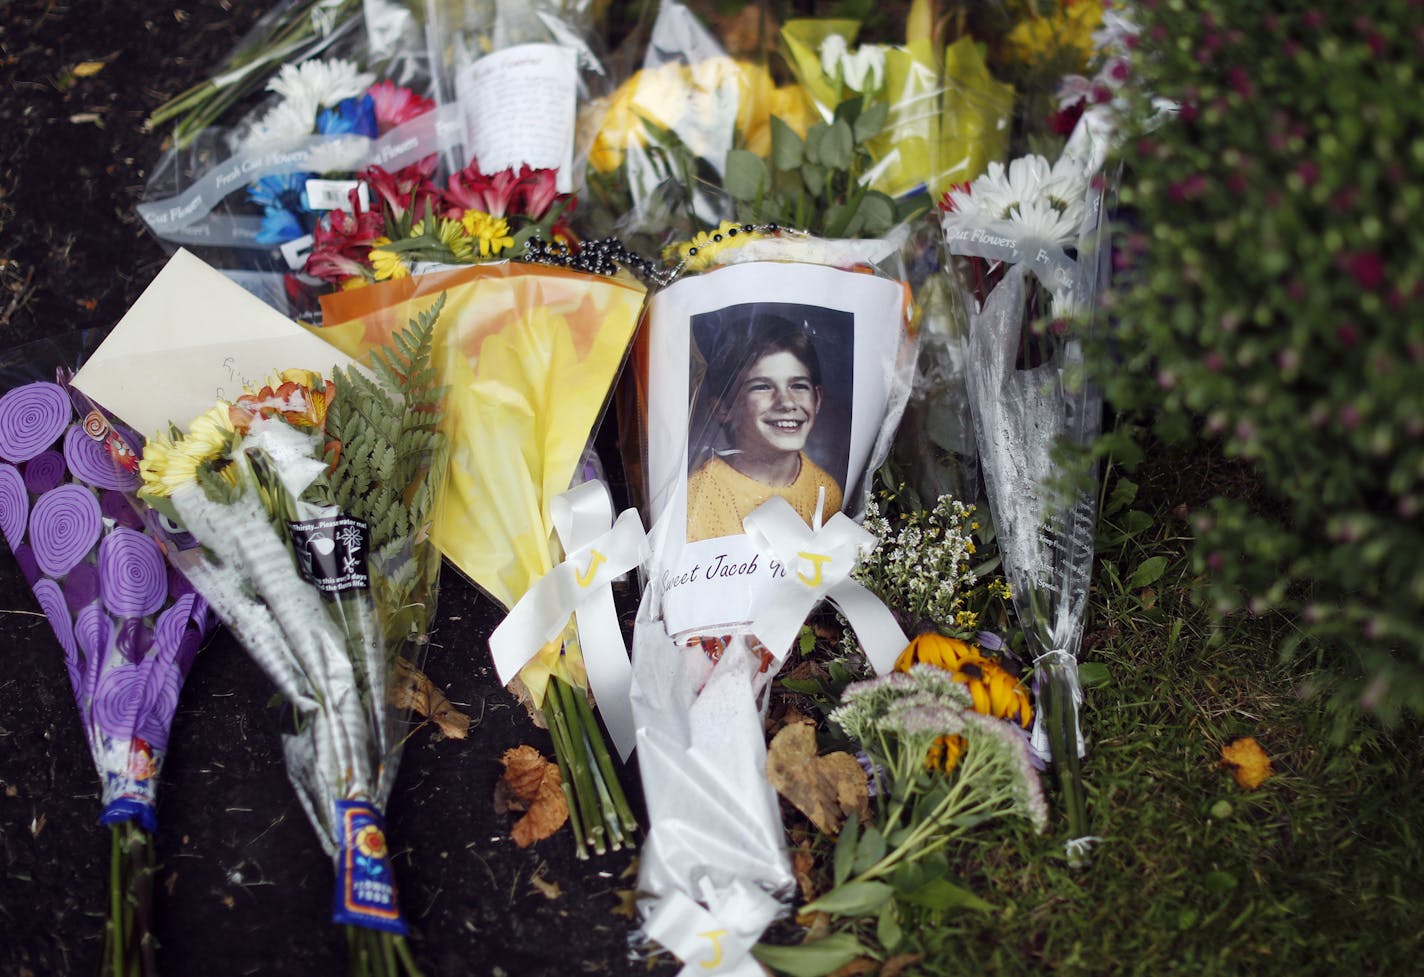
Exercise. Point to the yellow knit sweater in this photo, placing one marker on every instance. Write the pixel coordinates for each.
(719, 497)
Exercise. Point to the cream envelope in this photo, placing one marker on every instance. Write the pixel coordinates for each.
(194, 337)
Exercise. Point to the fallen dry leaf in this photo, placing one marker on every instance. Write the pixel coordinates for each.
(824, 788)
(1248, 761)
(412, 689)
(858, 966)
(803, 863)
(899, 963)
(535, 787)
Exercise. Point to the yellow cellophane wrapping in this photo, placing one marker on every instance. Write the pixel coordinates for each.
(528, 355)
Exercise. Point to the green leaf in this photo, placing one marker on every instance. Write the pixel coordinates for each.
(746, 176)
(808, 641)
(852, 899)
(838, 146)
(815, 136)
(848, 111)
(1093, 675)
(815, 959)
(803, 686)
(1219, 882)
(944, 894)
(1123, 494)
(876, 213)
(787, 150)
(1136, 521)
(887, 927)
(870, 850)
(871, 121)
(844, 856)
(814, 176)
(1148, 572)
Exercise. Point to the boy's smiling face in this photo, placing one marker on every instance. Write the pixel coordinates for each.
(774, 407)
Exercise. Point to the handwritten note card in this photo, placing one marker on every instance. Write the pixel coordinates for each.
(194, 337)
(519, 108)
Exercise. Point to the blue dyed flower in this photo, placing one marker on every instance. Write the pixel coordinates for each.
(285, 212)
(352, 115)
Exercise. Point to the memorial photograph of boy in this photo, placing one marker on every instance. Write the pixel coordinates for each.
(771, 415)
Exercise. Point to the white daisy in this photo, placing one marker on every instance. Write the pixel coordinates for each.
(283, 125)
(1045, 201)
(1040, 219)
(320, 82)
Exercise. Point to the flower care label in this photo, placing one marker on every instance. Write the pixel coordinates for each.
(331, 552)
(519, 108)
(365, 884)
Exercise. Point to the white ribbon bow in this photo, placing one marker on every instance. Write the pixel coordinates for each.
(719, 940)
(581, 586)
(816, 564)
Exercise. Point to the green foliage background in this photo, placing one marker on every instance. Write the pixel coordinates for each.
(1270, 303)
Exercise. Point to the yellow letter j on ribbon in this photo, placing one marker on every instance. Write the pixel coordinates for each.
(816, 560)
(584, 578)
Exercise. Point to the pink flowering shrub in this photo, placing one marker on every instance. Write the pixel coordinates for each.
(1271, 299)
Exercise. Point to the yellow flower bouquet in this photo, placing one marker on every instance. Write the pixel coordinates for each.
(528, 354)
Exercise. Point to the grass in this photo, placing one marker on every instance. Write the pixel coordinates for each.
(1318, 871)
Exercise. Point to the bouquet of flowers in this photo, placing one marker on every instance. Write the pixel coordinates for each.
(311, 499)
(659, 145)
(416, 226)
(1028, 237)
(943, 115)
(250, 192)
(767, 389)
(529, 353)
(129, 629)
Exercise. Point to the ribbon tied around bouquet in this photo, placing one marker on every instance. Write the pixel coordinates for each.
(599, 550)
(816, 564)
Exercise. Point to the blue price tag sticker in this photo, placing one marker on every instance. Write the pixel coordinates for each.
(365, 884)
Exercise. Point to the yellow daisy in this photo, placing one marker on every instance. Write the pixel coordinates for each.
(387, 264)
(492, 233)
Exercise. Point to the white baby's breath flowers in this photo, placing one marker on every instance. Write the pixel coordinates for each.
(921, 566)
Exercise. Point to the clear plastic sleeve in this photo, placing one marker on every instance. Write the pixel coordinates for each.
(1030, 282)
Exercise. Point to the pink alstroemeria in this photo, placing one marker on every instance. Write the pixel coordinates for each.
(334, 267)
(395, 104)
(537, 191)
(341, 242)
(408, 192)
(470, 189)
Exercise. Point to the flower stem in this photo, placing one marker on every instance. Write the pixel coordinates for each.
(1058, 709)
(578, 763)
(563, 750)
(605, 764)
